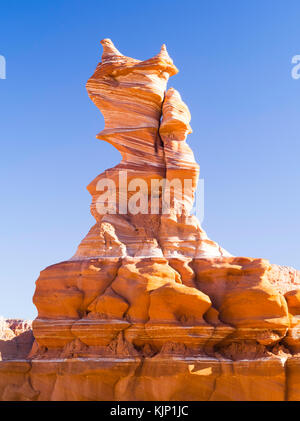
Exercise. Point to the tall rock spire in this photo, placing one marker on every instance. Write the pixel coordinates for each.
(145, 282)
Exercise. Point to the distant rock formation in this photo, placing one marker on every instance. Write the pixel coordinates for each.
(16, 338)
(149, 308)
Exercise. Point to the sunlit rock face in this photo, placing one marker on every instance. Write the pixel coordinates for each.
(149, 308)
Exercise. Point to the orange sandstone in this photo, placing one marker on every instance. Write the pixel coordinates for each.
(149, 308)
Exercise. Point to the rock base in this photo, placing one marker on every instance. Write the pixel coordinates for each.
(150, 379)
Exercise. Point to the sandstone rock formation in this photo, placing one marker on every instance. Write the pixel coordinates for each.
(149, 308)
(16, 340)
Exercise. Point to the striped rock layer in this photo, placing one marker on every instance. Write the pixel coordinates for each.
(148, 125)
(150, 308)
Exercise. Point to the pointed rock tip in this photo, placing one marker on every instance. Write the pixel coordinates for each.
(109, 50)
(164, 53)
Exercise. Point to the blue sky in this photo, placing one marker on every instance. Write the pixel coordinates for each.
(235, 67)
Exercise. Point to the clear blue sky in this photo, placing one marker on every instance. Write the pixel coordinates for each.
(234, 58)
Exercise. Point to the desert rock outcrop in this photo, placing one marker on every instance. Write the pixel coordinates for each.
(150, 308)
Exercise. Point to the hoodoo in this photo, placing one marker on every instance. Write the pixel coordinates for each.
(150, 308)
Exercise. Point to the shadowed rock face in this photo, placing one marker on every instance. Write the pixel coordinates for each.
(150, 308)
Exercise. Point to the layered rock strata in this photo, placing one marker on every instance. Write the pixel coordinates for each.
(149, 308)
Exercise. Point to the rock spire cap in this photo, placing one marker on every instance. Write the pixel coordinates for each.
(110, 52)
(164, 54)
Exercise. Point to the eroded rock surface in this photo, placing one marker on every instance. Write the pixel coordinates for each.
(150, 308)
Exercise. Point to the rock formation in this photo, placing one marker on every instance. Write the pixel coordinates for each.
(149, 308)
